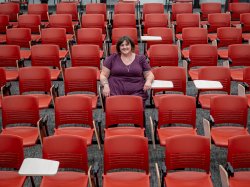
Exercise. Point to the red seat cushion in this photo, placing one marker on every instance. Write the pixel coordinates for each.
(193, 73)
(28, 134)
(54, 73)
(84, 132)
(93, 97)
(212, 36)
(126, 179)
(11, 179)
(241, 178)
(124, 131)
(223, 53)
(248, 98)
(246, 36)
(185, 53)
(63, 54)
(36, 37)
(67, 178)
(237, 74)
(25, 54)
(188, 179)
(205, 99)
(178, 36)
(2, 38)
(11, 75)
(167, 132)
(43, 100)
(220, 135)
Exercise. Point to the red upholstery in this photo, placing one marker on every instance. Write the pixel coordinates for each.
(180, 8)
(155, 20)
(152, 8)
(124, 8)
(4, 22)
(186, 20)
(10, 9)
(39, 9)
(97, 8)
(238, 8)
(31, 21)
(124, 21)
(217, 20)
(93, 21)
(62, 21)
(67, 8)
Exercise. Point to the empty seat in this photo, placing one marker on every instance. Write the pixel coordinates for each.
(124, 21)
(209, 8)
(238, 8)
(10, 9)
(62, 21)
(245, 25)
(180, 8)
(68, 8)
(155, 20)
(124, 8)
(97, 8)
(4, 24)
(152, 8)
(39, 9)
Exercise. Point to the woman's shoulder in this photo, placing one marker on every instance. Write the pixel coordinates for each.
(141, 58)
(112, 56)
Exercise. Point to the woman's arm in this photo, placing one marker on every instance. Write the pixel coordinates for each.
(149, 77)
(104, 81)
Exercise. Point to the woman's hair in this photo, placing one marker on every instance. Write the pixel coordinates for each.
(121, 40)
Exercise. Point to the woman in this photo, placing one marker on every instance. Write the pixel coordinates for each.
(126, 73)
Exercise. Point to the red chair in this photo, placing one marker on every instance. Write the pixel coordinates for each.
(245, 25)
(117, 33)
(238, 158)
(94, 21)
(126, 151)
(85, 55)
(221, 74)
(75, 109)
(124, 21)
(238, 8)
(181, 8)
(97, 8)
(175, 74)
(32, 22)
(4, 24)
(124, 8)
(238, 55)
(209, 8)
(129, 111)
(71, 152)
(39, 9)
(5, 89)
(82, 79)
(21, 37)
(68, 8)
(244, 88)
(200, 55)
(152, 8)
(191, 36)
(227, 36)
(37, 79)
(193, 152)
(185, 20)
(155, 20)
(22, 109)
(91, 36)
(229, 109)
(10, 9)
(163, 55)
(47, 55)
(56, 36)
(216, 21)
(166, 34)
(12, 156)
(63, 21)
(174, 109)
(10, 57)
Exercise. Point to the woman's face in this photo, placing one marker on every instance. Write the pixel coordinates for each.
(125, 48)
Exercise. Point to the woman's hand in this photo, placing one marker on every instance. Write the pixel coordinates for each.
(106, 90)
(147, 85)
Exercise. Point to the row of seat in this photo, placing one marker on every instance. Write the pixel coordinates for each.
(131, 152)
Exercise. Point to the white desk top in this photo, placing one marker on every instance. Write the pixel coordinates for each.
(151, 38)
(206, 84)
(162, 84)
(38, 167)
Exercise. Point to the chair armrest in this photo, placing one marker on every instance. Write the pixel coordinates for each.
(223, 176)
(54, 91)
(158, 174)
(42, 128)
(94, 172)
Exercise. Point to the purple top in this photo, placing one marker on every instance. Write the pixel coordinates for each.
(127, 79)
